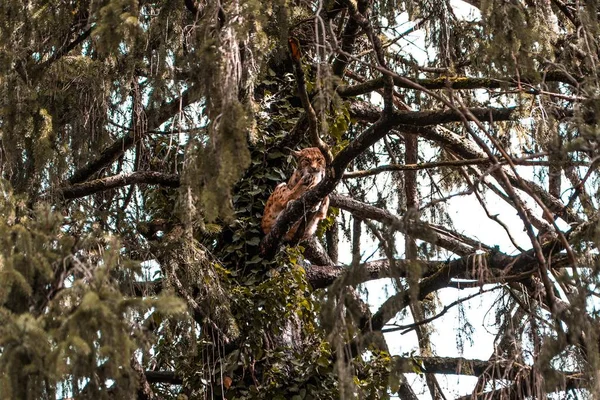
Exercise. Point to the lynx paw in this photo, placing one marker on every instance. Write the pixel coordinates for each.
(308, 180)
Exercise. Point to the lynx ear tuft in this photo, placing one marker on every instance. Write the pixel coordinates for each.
(296, 154)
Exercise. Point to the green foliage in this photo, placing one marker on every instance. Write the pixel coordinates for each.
(378, 378)
(340, 122)
(171, 278)
(276, 308)
(79, 333)
(117, 24)
(521, 35)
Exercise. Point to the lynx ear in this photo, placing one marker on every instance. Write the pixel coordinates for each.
(296, 154)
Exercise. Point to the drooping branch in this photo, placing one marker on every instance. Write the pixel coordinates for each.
(506, 347)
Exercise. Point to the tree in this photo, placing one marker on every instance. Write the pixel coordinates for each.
(140, 141)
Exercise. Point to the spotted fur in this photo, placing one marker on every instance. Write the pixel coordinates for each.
(309, 172)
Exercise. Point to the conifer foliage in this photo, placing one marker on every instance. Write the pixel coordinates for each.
(140, 140)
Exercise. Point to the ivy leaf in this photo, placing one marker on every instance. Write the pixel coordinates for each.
(253, 241)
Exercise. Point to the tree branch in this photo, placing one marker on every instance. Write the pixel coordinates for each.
(448, 307)
(438, 164)
(407, 119)
(419, 230)
(523, 263)
(348, 39)
(322, 276)
(498, 369)
(464, 147)
(458, 82)
(163, 377)
(334, 174)
(156, 118)
(144, 390)
(63, 51)
(115, 181)
(313, 123)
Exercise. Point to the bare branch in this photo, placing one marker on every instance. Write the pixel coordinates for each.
(527, 161)
(409, 327)
(465, 148)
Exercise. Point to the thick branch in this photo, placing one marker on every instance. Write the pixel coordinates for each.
(321, 276)
(448, 365)
(144, 390)
(66, 49)
(348, 39)
(116, 181)
(163, 377)
(334, 174)
(315, 253)
(367, 112)
(463, 366)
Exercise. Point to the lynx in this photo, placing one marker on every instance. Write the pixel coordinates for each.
(309, 172)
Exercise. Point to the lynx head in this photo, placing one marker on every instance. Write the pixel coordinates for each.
(310, 161)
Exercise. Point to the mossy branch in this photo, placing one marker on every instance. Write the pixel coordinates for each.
(113, 182)
(457, 83)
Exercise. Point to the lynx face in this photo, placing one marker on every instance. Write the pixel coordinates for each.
(311, 161)
(309, 172)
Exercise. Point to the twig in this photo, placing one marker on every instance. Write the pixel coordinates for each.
(313, 123)
(409, 327)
